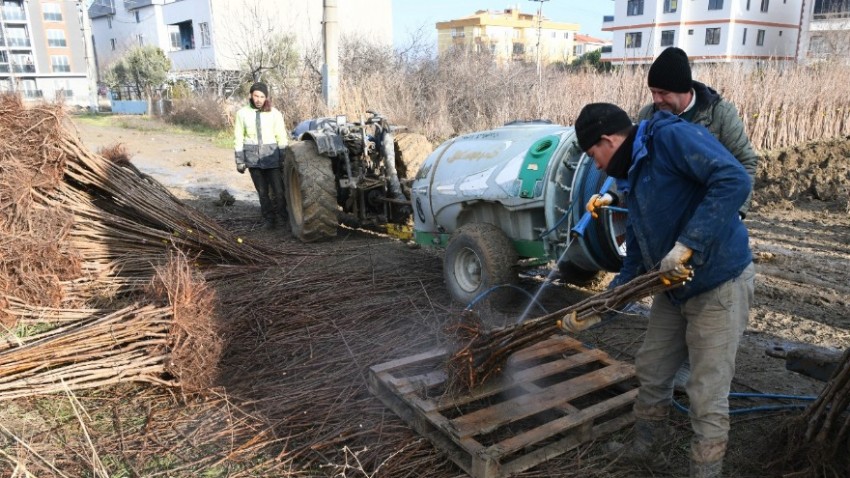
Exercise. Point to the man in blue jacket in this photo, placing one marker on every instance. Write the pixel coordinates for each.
(683, 190)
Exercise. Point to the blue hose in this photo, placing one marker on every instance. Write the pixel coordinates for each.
(761, 408)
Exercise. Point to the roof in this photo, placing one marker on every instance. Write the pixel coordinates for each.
(582, 38)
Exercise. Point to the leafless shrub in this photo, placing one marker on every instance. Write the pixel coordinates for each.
(205, 110)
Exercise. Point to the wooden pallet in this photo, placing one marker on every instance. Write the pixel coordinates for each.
(553, 397)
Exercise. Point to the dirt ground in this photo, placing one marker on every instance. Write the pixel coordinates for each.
(800, 236)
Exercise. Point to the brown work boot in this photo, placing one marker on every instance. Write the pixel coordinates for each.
(707, 458)
(648, 446)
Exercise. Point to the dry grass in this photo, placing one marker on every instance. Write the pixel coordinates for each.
(781, 105)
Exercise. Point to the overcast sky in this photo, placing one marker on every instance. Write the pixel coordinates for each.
(411, 15)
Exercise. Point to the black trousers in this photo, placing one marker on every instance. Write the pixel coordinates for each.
(269, 185)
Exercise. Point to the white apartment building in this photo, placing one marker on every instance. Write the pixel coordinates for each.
(708, 30)
(43, 55)
(212, 34)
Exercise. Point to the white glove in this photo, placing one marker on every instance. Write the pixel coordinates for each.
(674, 266)
(571, 323)
(598, 201)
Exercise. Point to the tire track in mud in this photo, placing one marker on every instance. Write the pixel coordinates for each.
(802, 257)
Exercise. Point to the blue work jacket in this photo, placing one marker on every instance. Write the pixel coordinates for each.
(684, 185)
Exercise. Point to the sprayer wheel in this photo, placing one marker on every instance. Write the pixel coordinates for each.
(479, 256)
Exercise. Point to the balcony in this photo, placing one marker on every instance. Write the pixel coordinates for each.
(832, 15)
(14, 14)
(607, 18)
(12, 42)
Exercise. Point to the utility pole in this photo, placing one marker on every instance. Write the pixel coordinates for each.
(330, 70)
(539, 31)
(88, 45)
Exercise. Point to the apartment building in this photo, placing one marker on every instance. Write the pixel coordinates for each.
(42, 50)
(708, 30)
(510, 35)
(213, 34)
(826, 32)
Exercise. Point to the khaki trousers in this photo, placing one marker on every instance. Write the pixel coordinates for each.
(706, 330)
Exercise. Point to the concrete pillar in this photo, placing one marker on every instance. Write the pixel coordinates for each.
(330, 69)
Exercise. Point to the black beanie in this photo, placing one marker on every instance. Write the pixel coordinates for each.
(261, 87)
(597, 119)
(671, 71)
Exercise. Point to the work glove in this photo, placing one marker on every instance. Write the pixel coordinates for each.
(241, 167)
(674, 266)
(598, 201)
(571, 323)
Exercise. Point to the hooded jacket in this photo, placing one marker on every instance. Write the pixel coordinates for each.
(722, 120)
(684, 186)
(259, 137)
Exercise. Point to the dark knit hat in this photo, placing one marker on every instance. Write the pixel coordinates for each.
(261, 87)
(597, 119)
(671, 71)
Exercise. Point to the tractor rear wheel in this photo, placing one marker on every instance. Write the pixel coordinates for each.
(310, 189)
(479, 256)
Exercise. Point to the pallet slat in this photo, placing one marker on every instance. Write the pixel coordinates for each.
(490, 418)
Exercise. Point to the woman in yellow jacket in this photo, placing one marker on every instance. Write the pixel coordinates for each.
(260, 136)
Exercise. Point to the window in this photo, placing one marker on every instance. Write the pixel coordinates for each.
(112, 43)
(174, 35)
(633, 40)
(744, 41)
(715, 4)
(712, 36)
(760, 38)
(634, 7)
(56, 38)
(764, 5)
(60, 63)
(141, 39)
(205, 34)
(670, 6)
(667, 37)
(136, 14)
(52, 12)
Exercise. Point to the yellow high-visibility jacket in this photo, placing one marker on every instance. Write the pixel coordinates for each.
(259, 137)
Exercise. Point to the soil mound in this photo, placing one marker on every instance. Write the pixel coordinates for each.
(818, 170)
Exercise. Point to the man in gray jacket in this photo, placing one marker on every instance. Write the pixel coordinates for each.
(674, 90)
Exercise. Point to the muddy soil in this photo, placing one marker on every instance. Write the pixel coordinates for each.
(800, 236)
